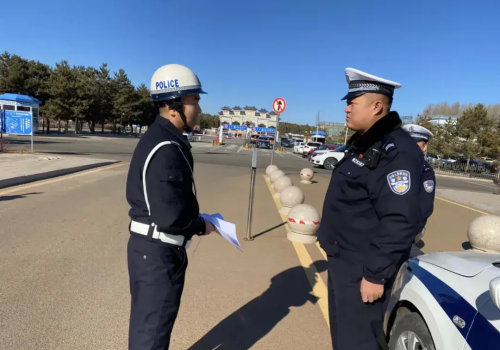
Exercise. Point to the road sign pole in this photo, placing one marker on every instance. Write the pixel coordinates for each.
(275, 137)
(32, 133)
(248, 236)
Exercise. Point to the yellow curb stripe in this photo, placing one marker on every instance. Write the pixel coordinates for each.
(60, 178)
(321, 250)
(463, 206)
(319, 289)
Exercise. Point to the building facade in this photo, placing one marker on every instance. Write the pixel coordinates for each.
(407, 120)
(333, 129)
(442, 120)
(248, 116)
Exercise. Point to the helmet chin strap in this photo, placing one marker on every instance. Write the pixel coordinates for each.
(177, 106)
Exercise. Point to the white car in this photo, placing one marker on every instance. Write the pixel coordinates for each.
(329, 160)
(446, 301)
(188, 136)
(309, 146)
(298, 146)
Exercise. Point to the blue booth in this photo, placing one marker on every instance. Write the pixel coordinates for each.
(22, 103)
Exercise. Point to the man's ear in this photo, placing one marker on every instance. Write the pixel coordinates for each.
(378, 107)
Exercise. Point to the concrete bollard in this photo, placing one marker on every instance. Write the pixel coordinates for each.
(303, 221)
(280, 184)
(270, 169)
(484, 233)
(275, 175)
(290, 197)
(306, 175)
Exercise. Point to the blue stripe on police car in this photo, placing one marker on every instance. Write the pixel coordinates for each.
(483, 335)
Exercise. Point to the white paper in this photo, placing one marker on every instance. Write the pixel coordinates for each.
(226, 229)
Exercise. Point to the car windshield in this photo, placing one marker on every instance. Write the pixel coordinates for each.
(314, 144)
(341, 148)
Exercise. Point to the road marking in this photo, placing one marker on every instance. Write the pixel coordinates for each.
(296, 155)
(60, 178)
(319, 289)
(474, 183)
(463, 206)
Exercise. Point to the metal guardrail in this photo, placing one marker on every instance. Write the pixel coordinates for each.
(461, 170)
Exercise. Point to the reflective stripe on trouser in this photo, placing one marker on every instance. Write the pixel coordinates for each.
(354, 325)
(157, 275)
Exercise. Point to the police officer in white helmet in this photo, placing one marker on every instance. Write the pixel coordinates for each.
(164, 209)
(422, 136)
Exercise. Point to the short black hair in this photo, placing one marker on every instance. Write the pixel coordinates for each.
(169, 103)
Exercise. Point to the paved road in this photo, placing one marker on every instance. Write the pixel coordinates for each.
(65, 283)
(230, 154)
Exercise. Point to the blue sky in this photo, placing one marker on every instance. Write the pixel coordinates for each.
(249, 52)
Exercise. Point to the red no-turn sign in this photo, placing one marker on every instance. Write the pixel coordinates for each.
(279, 105)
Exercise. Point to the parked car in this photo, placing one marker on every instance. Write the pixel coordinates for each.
(188, 136)
(329, 160)
(309, 146)
(321, 149)
(264, 143)
(298, 147)
(286, 143)
(446, 301)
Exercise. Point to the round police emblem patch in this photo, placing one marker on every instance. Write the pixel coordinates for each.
(399, 181)
(429, 186)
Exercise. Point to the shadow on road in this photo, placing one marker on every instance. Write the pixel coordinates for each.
(68, 153)
(17, 196)
(269, 229)
(246, 326)
(28, 142)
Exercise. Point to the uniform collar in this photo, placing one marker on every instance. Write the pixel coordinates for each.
(173, 130)
(360, 143)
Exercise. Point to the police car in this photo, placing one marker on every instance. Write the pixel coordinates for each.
(449, 300)
(329, 160)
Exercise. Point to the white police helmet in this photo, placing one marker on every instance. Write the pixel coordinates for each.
(173, 81)
(418, 132)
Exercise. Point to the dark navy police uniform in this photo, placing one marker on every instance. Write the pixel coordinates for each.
(165, 216)
(427, 193)
(370, 218)
(428, 182)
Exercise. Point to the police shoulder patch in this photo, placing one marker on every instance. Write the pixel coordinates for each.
(399, 181)
(429, 186)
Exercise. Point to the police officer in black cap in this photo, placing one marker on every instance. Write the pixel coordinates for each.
(371, 213)
(164, 210)
(422, 136)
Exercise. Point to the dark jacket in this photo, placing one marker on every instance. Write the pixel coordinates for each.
(427, 193)
(169, 181)
(371, 213)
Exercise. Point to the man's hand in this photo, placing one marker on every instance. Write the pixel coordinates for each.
(371, 291)
(209, 228)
